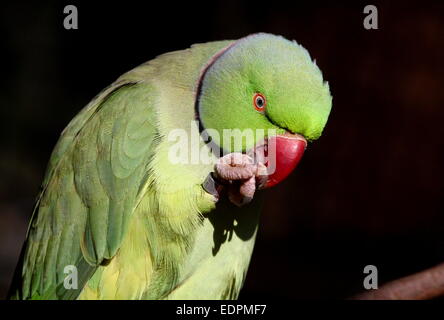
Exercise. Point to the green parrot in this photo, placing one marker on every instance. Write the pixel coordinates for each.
(146, 196)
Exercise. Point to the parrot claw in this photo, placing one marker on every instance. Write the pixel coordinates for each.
(240, 174)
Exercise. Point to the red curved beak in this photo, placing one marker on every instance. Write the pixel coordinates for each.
(280, 154)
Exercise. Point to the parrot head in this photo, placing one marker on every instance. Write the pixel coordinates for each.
(267, 85)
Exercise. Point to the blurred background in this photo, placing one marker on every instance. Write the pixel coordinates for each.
(370, 191)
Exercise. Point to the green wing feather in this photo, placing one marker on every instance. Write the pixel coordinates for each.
(92, 186)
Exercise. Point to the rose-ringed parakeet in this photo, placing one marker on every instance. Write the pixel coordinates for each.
(136, 225)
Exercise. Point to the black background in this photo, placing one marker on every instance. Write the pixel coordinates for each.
(370, 191)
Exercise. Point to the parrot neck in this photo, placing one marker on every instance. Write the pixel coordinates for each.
(217, 150)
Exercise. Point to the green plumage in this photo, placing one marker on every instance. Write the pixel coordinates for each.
(134, 225)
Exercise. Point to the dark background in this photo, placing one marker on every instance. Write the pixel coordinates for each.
(370, 191)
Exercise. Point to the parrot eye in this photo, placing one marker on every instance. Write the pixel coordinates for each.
(259, 102)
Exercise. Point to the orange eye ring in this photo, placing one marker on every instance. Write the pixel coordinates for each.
(259, 102)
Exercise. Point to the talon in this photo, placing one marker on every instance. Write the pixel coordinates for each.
(261, 175)
(248, 188)
(242, 168)
(243, 194)
(235, 166)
